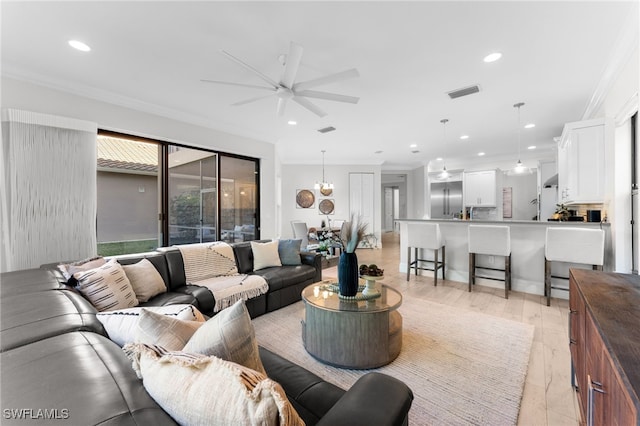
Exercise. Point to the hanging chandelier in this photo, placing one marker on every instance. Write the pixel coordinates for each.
(324, 185)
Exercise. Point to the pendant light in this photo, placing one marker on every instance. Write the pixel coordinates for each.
(519, 168)
(444, 174)
(324, 185)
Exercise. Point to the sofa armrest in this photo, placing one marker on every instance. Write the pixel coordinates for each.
(314, 259)
(374, 399)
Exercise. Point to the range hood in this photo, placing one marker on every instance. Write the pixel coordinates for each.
(552, 181)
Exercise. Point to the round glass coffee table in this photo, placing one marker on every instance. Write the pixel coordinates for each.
(356, 334)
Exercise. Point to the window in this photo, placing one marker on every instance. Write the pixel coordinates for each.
(142, 182)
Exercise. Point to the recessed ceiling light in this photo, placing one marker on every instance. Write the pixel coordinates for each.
(439, 159)
(492, 57)
(531, 147)
(413, 145)
(480, 154)
(292, 122)
(79, 45)
(529, 126)
(463, 137)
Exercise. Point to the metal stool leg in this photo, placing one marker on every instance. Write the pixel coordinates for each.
(443, 261)
(435, 268)
(472, 269)
(408, 262)
(547, 281)
(507, 276)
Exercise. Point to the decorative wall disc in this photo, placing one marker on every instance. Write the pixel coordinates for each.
(305, 198)
(326, 206)
(326, 191)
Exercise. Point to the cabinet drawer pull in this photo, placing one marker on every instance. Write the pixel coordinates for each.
(573, 342)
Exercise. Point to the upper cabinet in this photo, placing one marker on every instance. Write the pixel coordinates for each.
(582, 160)
(480, 188)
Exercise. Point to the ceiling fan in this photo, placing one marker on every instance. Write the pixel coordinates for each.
(287, 88)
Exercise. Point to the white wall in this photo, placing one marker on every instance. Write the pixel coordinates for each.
(295, 176)
(30, 97)
(523, 190)
(619, 103)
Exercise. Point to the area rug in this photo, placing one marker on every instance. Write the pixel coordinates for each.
(464, 368)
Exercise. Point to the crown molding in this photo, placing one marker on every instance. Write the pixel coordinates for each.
(131, 103)
(625, 45)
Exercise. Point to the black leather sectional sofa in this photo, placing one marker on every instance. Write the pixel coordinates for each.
(58, 365)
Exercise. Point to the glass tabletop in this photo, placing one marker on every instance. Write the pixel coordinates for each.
(321, 296)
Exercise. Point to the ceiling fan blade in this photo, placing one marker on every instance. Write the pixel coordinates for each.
(247, 101)
(331, 78)
(250, 68)
(328, 96)
(310, 106)
(251, 86)
(292, 63)
(282, 103)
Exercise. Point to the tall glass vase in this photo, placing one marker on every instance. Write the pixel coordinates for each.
(348, 274)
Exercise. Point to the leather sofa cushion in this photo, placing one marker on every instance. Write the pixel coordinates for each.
(26, 318)
(28, 281)
(84, 373)
(171, 298)
(311, 396)
(285, 276)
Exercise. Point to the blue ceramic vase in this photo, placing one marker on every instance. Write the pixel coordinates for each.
(348, 274)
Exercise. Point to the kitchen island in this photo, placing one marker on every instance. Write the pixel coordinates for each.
(527, 252)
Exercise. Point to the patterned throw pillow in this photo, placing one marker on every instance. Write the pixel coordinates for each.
(265, 255)
(68, 269)
(169, 332)
(107, 287)
(228, 335)
(145, 280)
(122, 324)
(205, 390)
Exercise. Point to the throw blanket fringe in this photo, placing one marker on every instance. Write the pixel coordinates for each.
(229, 289)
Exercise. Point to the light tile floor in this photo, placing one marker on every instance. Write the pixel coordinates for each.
(548, 398)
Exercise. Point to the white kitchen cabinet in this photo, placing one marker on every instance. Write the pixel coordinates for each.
(480, 189)
(581, 161)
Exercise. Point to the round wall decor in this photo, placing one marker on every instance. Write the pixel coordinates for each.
(326, 191)
(305, 198)
(326, 206)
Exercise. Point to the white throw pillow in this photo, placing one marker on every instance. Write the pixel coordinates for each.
(265, 255)
(121, 325)
(228, 335)
(169, 332)
(106, 287)
(68, 269)
(145, 280)
(205, 390)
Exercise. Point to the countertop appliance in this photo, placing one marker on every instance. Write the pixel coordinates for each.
(594, 216)
(446, 199)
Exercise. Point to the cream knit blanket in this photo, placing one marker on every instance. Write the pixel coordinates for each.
(228, 290)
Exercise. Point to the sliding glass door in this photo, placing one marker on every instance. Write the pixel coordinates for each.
(192, 195)
(239, 199)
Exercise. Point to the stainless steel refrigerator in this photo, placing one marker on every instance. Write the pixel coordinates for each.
(446, 199)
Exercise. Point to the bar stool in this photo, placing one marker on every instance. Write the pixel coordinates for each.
(425, 236)
(490, 240)
(571, 245)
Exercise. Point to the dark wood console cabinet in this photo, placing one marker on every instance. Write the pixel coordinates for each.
(604, 337)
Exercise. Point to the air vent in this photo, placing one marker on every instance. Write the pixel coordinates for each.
(415, 151)
(458, 93)
(327, 129)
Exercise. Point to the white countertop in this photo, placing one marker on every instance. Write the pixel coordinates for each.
(511, 222)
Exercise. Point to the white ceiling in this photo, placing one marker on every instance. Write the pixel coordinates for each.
(152, 56)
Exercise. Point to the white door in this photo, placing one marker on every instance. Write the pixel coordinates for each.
(388, 209)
